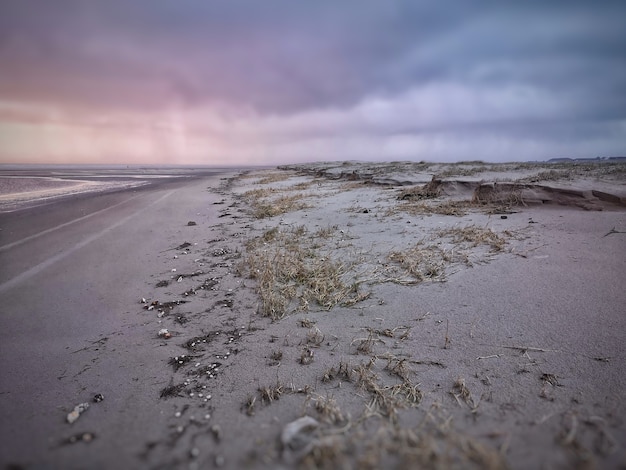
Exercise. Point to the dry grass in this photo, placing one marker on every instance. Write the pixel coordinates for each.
(328, 409)
(386, 400)
(307, 356)
(264, 209)
(461, 170)
(509, 195)
(258, 193)
(428, 262)
(287, 265)
(456, 208)
(342, 372)
(272, 393)
(549, 175)
(461, 393)
(366, 345)
(306, 323)
(421, 262)
(275, 177)
(315, 337)
(473, 236)
(326, 232)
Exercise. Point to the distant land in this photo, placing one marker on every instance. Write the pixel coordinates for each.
(597, 159)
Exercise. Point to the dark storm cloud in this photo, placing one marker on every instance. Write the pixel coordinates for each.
(284, 55)
(519, 69)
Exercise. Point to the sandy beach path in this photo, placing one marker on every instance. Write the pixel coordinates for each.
(71, 280)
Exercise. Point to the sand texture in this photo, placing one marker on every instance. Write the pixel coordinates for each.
(399, 315)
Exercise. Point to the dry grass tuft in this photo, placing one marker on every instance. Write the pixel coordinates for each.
(283, 204)
(249, 405)
(306, 323)
(270, 394)
(421, 262)
(329, 410)
(461, 392)
(315, 337)
(342, 372)
(549, 175)
(326, 232)
(398, 367)
(366, 345)
(286, 266)
(328, 452)
(421, 207)
(475, 236)
(274, 178)
(307, 356)
(508, 195)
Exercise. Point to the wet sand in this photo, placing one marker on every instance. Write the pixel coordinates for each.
(414, 320)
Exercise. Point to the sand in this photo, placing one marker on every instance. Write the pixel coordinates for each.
(370, 315)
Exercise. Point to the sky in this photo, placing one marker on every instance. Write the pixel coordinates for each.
(278, 81)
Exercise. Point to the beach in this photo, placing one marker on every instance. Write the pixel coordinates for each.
(324, 315)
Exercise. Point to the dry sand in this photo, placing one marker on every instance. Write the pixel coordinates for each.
(369, 316)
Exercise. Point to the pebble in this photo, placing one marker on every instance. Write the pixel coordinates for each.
(76, 412)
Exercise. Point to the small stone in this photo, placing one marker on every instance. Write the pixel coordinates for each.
(98, 397)
(164, 333)
(76, 412)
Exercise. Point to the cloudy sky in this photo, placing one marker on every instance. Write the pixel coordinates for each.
(271, 81)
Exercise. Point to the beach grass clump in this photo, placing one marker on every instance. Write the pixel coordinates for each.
(462, 169)
(274, 177)
(258, 193)
(421, 262)
(503, 194)
(328, 409)
(262, 209)
(549, 175)
(474, 236)
(287, 265)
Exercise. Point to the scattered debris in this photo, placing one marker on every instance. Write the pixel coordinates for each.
(76, 412)
(164, 333)
(550, 379)
(172, 391)
(80, 437)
